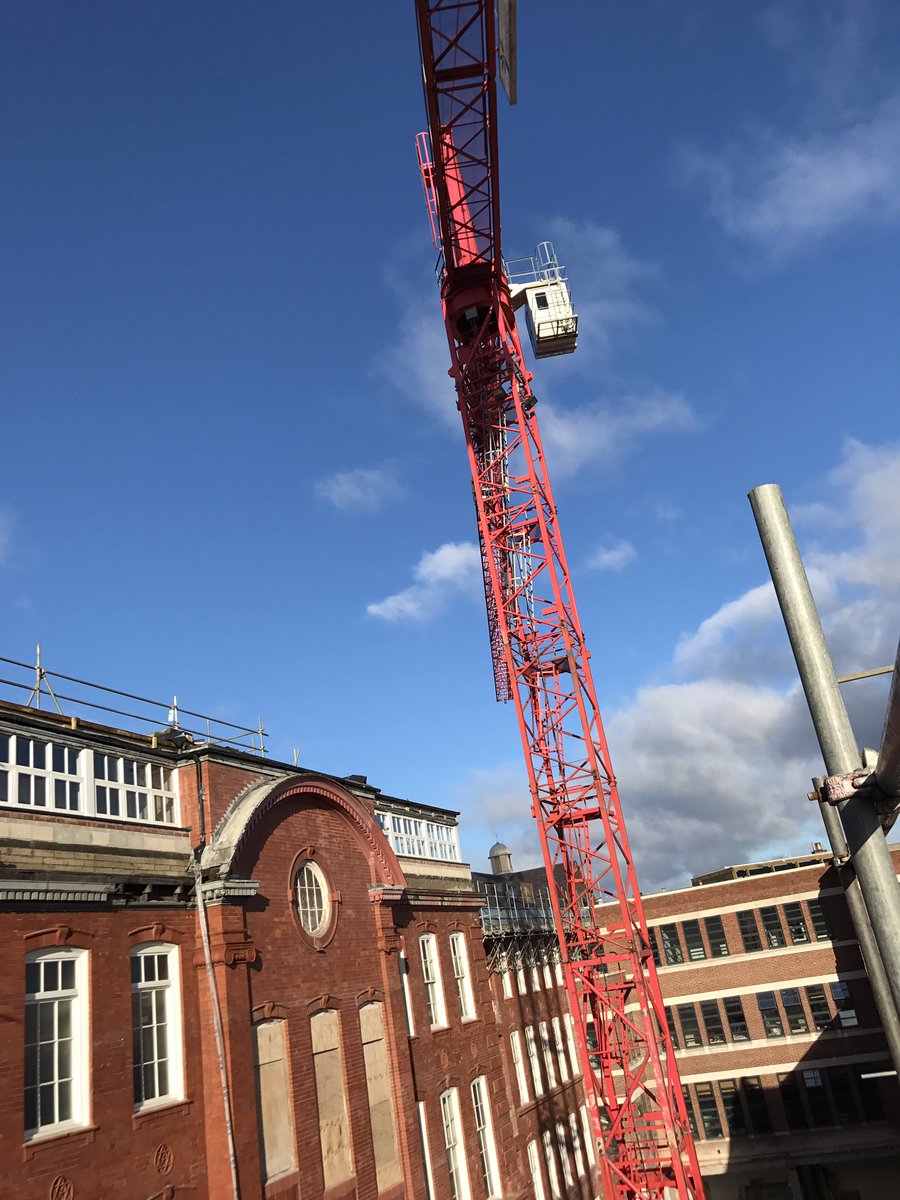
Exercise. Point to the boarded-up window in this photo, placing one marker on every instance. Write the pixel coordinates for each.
(276, 1123)
(381, 1100)
(334, 1128)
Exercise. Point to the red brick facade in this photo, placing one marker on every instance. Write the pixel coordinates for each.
(96, 890)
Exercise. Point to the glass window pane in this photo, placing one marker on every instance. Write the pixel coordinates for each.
(40, 790)
(709, 1112)
(715, 936)
(737, 1022)
(768, 1008)
(712, 1021)
(749, 931)
(32, 978)
(772, 926)
(693, 939)
(755, 1101)
(39, 755)
(690, 1028)
(64, 1017)
(671, 943)
(51, 976)
(819, 924)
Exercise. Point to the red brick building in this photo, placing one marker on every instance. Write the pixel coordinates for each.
(227, 976)
(777, 1037)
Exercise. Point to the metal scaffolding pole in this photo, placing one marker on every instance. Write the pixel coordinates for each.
(881, 988)
(859, 818)
(887, 772)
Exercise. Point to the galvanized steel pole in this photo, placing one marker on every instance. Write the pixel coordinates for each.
(861, 823)
(887, 772)
(881, 988)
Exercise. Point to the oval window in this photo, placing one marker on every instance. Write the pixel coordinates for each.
(313, 903)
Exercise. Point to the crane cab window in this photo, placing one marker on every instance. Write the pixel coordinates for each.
(541, 301)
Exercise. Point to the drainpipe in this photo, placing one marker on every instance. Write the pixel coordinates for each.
(213, 986)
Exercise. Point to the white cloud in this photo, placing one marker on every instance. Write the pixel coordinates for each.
(606, 287)
(440, 575)
(714, 762)
(788, 193)
(614, 556)
(574, 437)
(361, 490)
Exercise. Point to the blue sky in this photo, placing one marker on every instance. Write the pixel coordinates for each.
(232, 467)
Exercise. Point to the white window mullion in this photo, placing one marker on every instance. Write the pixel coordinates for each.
(454, 1145)
(537, 1176)
(560, 1049)
(588, 1135)
(564, 1154)
(548, 1054)
(515, 1043)
(576, 1144)
(531, 1047)
(555, 1189)
(487, 1146)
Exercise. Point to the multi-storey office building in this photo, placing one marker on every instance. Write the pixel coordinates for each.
(778, 1041)
(549, 1111)
(229, 974)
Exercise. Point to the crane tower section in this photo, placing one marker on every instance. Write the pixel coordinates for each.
(539, 655)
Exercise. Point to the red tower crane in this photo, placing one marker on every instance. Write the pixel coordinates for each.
(538, 647)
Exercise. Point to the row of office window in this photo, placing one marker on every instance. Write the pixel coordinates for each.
(47, 776)
(809, 1097)
(788, 1011)
(432, 978)
(454, 1141)
(525, 978)
(57, 1063)
(414, 837)
(567, 1151)
(557, 1051)
(769, 928)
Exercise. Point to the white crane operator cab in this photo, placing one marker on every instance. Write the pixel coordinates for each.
(539, 285)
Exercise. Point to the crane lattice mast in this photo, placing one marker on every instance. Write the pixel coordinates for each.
(539, 655)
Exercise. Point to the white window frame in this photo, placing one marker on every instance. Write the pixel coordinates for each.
(535, 978)
(533, 1061)
(521, 985)
(79, 1026)
(487, 1145)
(459, 957)
(435, 1004)
(426, 1149)
(560, 1049)
(515, 1045)
(564, 1154)
(550, 1158)
(547, 974)
(576, 1145)
(548, 1054)
(81, 784)
(454, 1145)
(588, 1135)
(170, 990)
(507, 984)
(558, 969)
(537, 1176)
(573, 1049)
(407, 996)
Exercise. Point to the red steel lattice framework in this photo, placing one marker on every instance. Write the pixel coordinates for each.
(539, 655)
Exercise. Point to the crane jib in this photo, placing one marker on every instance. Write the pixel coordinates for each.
(537, 644)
